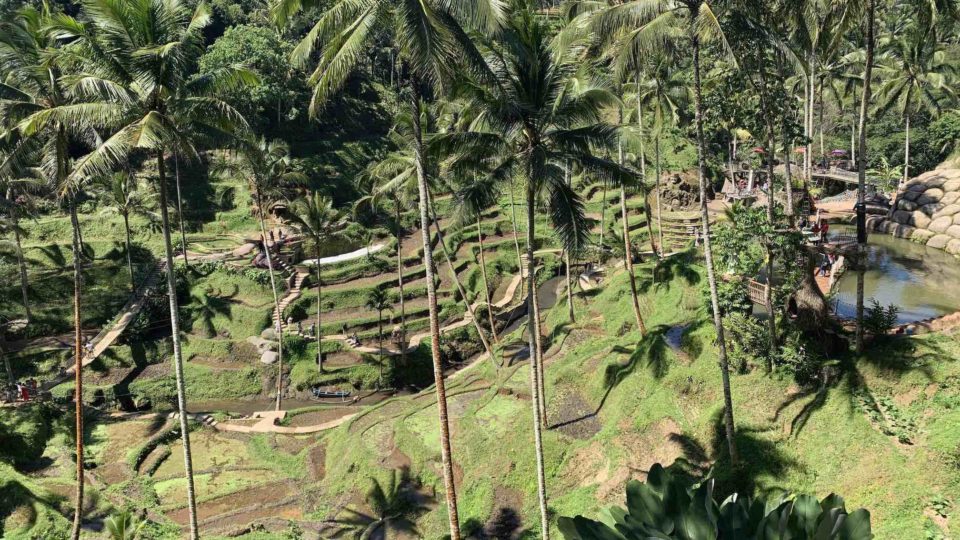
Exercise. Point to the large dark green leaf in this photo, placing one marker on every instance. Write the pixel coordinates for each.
(856, 526)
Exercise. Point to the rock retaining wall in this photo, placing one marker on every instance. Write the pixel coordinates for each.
(927, 211)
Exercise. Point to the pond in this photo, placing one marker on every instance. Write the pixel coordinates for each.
(924, 282)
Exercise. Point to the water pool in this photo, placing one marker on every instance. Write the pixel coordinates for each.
(924, 282)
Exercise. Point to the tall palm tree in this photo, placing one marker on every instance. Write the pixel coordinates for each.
(10, 224)
(401, 198)
(862, 167)
(475, 195)
(270, 170)
(315, 218)
(533, 125)
(398, 174)
(916, 72)
(141, 57)
(661, 90)
(121, 194)
(432, 42)
(378, 301)
(656, 25)
(41, 118)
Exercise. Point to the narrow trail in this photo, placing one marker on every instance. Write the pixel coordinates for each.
(110, 333)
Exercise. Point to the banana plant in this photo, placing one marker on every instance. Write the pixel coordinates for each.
(672, 506)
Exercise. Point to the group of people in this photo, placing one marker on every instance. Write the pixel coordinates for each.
(827, 261)
(818, 229)
(310, 329)
(25, 390)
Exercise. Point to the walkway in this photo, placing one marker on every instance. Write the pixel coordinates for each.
(268, 424)
(116, 327)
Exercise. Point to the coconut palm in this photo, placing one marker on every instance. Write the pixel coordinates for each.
(862, 167)
(534, 123)
(645, 26)
(661, 90)
(121, 194)
(10, 225)
(140, 56)
(379, 301)
(432, 42)
(124, 526)
(476, 195)
(917, 72)
(315, 218)
(41, 120)
(270, 171)
(397, 174)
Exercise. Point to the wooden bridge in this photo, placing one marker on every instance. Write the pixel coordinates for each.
(840, 175)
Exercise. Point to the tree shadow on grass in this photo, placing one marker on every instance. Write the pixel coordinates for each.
(759, 457)
(900, 355)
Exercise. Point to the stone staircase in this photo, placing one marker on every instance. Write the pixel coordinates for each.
(294, 290)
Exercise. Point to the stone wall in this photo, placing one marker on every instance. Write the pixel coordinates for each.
(928, 211)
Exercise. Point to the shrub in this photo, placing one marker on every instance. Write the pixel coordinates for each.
(672, 506)
(748, 340)
(879, 320)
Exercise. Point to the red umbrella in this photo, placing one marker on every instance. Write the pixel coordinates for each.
(801, 150)
(758, 150)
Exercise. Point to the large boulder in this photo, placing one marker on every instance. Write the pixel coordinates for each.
(954, 231)
(908, 206)
(920, 219)
(269, 357)
(948, 210)
(931, 195)
(951, 197)
(922, 235)
(941, 224)
(953, 246)
(939, 241)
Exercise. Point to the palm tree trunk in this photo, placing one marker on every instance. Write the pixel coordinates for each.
(183, 234)
(380, 343)
(11, 378)
(22, 265)
(628, 248)
(440, 384)
(708, 255)
(78, 372)
(906, 153)
(278, 320)
(566, 255)
(659, 207)
(787, 148)
(823, 147)
(403, 314)
(319, 308)
(768, 292)
(862, 174)
(535, 375)
(177, 352)
(516, 235)
(643, 172)
(603, 214)
(486, 284)
(456, 280)
(126, 230)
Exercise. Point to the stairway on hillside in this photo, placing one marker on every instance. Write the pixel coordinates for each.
(295, 290)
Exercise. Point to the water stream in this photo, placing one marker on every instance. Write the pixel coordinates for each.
(924, 282)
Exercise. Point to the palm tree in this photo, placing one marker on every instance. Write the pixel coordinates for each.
(534, 123)
(121, 195)
(269, 166)
(916, 71)
(862, 169)
(474, 197)
(378, 301)
(655, 25)
(375, 189)
(38, 130)
(397, 173)
(315, 218)
(124, 526)
(10, 224)
(140, 56)
(432, 43)
(661, 90)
